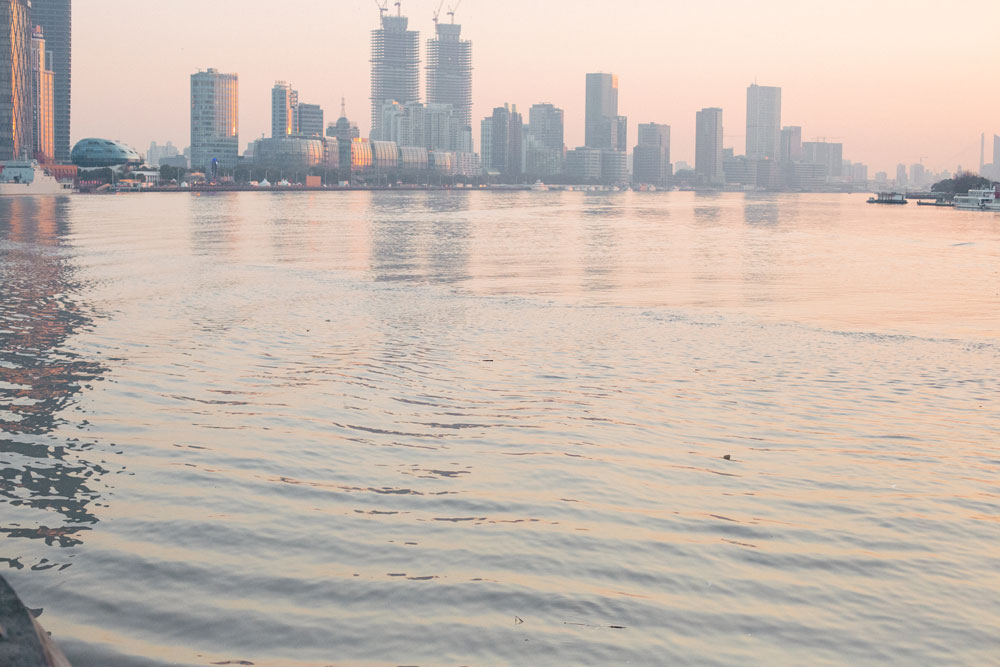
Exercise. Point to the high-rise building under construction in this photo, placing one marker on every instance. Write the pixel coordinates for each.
(449, 71)
(395, 65)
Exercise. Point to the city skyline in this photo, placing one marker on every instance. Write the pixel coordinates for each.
(823, 80)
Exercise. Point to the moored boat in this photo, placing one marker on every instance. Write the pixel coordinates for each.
(888, 198)
(27, 178)
(979, 200)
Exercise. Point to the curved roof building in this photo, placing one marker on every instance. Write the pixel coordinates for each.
(92, 153)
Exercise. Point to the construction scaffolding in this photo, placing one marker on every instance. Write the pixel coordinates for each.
(449, 71)
(395, 66)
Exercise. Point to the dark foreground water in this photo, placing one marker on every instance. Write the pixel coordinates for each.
(479, 428)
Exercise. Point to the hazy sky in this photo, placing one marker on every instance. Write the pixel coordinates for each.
(893, 80)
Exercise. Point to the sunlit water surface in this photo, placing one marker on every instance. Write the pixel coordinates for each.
(481, 428)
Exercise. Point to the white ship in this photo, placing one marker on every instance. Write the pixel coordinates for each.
(979, 200)
(20, 177)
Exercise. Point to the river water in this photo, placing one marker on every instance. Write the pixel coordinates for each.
(438, 428)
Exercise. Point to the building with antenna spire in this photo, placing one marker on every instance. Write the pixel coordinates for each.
(395, 63)
(449, 70)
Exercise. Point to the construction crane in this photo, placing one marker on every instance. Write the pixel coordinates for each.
(451, 11)
(383, 6)
(399, 8)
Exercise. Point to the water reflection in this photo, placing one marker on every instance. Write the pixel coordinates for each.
(432, 245)
(46, 481)
(760, 210)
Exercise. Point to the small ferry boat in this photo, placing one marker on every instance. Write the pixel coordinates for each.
(27, 178)
(979, 200)
(888, 198)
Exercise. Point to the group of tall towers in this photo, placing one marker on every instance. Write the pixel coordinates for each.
(395, 75)
(35, 79)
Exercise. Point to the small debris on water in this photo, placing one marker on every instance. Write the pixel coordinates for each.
(728, 457)
(518, 620)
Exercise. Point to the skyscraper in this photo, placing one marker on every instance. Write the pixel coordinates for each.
(449, 71)
(708, 146)
(395, 65)
(545, 147)
(501, 143)
(603, 125)
(56, 19)
(996, 150)
(215, 119)
(284, 101)
(309, 119)
(651, 158)
(547, 123)
(763, 122)
(42, 82)
(791, 144)
(15, 80)
(830, 155)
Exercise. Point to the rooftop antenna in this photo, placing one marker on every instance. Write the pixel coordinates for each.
(437, 14)
(343, 107)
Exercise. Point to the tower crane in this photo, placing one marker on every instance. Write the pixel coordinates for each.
(383, 6)
(454, 8)
(437, 14)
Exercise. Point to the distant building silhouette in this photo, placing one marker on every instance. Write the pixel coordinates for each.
(827, 154)
(502, 142)
(708, 146)
(763, 122)
(605, 129)
(309, 120)
(791, 144)
(651, 157)
(395, 66)
(215, 119)
(545, 143)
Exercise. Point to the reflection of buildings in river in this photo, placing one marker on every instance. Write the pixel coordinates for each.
(763, 236)
(760, 209)
(39, 378)
(421, 236)
(601, 248)
(447, 238)
(215, 221)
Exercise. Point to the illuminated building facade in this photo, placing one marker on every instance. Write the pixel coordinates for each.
(56, 20)
(15, 80)
(284, 101)
(43, 100)
(215, 131)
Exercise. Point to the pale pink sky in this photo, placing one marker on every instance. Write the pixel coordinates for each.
(894, 80)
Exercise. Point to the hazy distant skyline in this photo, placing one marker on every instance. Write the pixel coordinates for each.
(892, 81)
